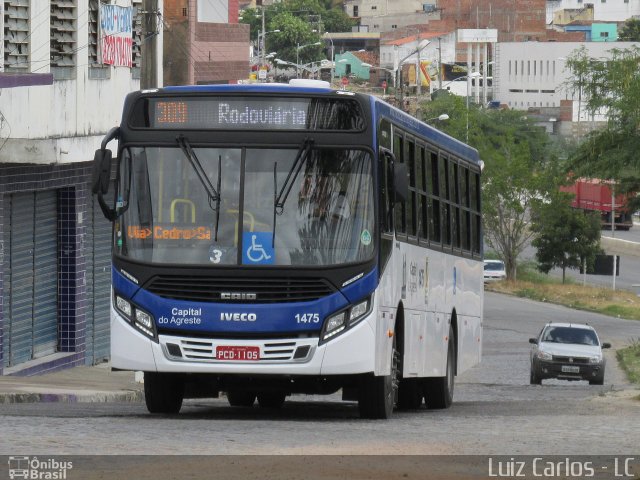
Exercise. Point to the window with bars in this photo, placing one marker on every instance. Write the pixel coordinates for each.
(137, 38)
(96, 69)
(16, 35)
(63, 35)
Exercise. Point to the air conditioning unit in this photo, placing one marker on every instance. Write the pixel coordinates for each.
(428, 7)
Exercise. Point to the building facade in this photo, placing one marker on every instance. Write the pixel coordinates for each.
(204, 43)
(58, 99)
(603, 10)
(386, 15)
(534, 75)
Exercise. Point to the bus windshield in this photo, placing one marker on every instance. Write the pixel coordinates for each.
(171, 215)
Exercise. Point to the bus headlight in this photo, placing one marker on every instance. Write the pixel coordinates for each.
(345, 319)
(123, 306)
(334, 325)
(140, 319)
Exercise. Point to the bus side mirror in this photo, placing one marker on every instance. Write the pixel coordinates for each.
(101, 171)
(400, 182)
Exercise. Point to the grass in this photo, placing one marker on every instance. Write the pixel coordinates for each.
(629, 359)
(537, 286)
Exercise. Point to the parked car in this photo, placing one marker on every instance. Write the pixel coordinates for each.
(567, 351)
(494, 270)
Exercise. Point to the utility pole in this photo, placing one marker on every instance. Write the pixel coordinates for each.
(261, 46)
(439, 63)
(149, 46)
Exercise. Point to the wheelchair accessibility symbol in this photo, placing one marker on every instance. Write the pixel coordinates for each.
(257, 248)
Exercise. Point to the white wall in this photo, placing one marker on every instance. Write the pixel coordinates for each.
(63, 122)
(545, 84)
(213, 11)
(607, 10)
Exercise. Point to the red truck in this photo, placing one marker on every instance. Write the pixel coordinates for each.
(593, 194)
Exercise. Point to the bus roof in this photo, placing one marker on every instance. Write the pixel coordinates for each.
(442, 140)
(250, 88)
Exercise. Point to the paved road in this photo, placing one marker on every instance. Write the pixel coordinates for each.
(495, 412)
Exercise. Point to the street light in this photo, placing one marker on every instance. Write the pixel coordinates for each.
(421, 46)
(300, 47)
(332, 58)
(388, 70)
(440, 118)
(262, 44)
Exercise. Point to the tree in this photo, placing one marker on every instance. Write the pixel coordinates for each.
(565, 237)
(521, 169)
(300, 22)
(630, 31)
(610, 87)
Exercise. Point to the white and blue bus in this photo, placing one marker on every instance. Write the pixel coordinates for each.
(278, 239)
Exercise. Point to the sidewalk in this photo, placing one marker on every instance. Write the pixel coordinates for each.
(78, 384)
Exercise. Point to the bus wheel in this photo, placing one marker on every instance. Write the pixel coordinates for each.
(378, 395)
(241, 398)
(409, 394)
(163, 392)
(271, 399)
(438, 391)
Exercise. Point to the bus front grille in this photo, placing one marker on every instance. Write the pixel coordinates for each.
(239, 290)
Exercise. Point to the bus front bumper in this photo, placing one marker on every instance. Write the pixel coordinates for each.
(350, 353)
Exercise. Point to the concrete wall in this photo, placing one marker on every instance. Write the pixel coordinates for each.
(604, 32)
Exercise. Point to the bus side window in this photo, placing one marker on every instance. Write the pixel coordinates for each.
(386, 209)
(445, 207)
(434, 199)
(465, 220)
(455, 204)
(476, 223)
(411, 205)
(421, 168)
(400, 210)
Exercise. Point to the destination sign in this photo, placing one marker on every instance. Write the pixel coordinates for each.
(160, 232)
(248, 113)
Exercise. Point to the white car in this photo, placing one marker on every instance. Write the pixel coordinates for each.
(568, 352)
(494, 270)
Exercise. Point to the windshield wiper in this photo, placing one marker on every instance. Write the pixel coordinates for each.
(213, 195)
(281, 198)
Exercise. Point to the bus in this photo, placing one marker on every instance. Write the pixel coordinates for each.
(278, 239)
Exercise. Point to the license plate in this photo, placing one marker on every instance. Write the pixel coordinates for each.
(236, 353)
(570, 369)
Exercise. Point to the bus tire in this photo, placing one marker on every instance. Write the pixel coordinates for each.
(377, 395)
(409, 394)
(271, 399)
(438, 391)
(241, 398)
(163, 392)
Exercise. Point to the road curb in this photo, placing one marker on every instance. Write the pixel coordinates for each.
(132, 396)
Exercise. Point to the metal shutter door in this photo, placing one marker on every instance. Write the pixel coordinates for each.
(45, 284)
(21, 292)
(101, 280)
(6, 284)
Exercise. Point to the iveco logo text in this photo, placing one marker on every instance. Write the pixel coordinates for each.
(237, 296)
(238, 317)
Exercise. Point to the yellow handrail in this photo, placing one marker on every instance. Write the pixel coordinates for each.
(185, 201)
